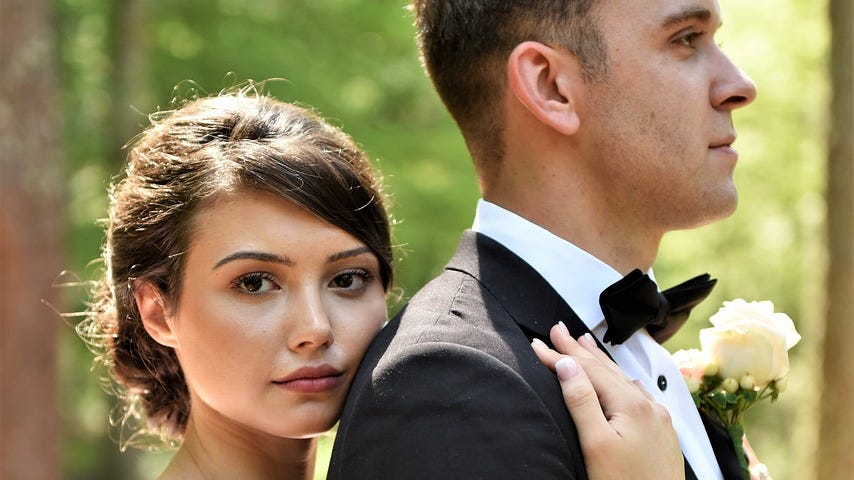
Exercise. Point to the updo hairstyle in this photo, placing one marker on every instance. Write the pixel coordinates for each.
(209, 147)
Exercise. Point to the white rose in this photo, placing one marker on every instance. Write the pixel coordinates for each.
(749, 338)
(739, 311)
(691, 363)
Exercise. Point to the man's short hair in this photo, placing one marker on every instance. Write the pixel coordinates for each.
(465, 45)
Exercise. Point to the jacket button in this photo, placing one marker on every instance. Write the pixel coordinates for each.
(662, 383)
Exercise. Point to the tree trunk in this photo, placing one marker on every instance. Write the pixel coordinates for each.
(129, 55)
(836, 431)
(30, 240)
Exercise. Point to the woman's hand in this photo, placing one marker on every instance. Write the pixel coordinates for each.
(624, 433)
(758, 470)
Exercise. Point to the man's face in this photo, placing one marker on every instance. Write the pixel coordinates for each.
(657, 127)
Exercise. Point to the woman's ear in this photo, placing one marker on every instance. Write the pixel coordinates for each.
(153, 313)
(544, 80)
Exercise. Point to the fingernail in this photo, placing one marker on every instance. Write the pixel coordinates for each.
(563, 327)
(566, 368)
(537, 341)
(587, 340)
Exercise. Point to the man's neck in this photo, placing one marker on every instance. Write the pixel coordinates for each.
(612, 241)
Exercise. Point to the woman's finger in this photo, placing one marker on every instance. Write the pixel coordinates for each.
(564, 343)
(643, 390)
(582, 401)
(546, 355)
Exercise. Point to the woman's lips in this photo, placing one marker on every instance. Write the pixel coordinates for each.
(312, 379)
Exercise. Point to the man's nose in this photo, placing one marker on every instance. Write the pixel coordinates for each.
(734, 88)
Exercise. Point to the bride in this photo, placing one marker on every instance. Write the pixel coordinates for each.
(248, 257)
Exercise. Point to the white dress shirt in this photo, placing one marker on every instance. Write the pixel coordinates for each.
(579, 278)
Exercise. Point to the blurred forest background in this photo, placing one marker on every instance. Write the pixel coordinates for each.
(98, 67)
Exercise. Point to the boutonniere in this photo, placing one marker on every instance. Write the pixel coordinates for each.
(744, 359)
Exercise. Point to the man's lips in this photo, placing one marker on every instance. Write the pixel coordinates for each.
(314, 379)
(724, 142)
(724, 146)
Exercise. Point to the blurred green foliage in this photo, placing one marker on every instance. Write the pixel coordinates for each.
(356, 62)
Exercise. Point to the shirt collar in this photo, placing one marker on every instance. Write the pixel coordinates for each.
(576, 275)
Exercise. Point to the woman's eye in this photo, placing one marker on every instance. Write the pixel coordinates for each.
(255, 283)
(351, 280)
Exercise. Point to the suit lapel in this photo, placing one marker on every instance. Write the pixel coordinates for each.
(523, 292)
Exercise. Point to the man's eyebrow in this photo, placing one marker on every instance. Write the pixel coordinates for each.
(690, 13)
(348, 253)
(253, 255)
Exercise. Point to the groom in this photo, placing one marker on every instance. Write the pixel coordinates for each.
(595, 127)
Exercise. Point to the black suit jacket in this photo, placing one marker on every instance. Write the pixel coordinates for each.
(451, 387)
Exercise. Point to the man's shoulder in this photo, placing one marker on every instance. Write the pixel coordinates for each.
(450, 291)
(455, 308)
(453, 366)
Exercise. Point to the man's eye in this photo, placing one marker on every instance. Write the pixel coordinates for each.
(255, 283)
(689, 39)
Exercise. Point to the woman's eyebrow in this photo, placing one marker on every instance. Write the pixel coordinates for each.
(253, 255)
(348, 253)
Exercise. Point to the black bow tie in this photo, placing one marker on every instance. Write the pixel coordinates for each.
(634, 302)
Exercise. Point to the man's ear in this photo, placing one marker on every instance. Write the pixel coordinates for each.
(544, 80)
(153, 313)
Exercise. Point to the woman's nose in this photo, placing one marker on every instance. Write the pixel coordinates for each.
(309, 324)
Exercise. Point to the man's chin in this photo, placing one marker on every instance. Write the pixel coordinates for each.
(711, 210)
(729, 202)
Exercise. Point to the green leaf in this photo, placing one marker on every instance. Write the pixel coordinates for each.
(750, 395)
(731, 398)
(736, 434)
(712, 381)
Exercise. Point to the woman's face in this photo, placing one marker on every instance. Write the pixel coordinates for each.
(275, 312)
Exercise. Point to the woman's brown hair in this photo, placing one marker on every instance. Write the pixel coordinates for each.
(212, 146)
